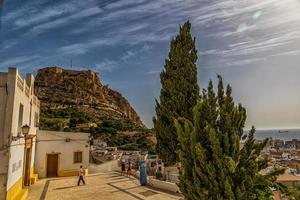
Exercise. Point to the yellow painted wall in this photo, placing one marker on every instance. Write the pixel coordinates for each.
(17, 192)
(68, 173)
(33, 176)
(71, 172)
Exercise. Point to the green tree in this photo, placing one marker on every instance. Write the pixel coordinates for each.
(179, 93)
(73, 123)
(212, 164)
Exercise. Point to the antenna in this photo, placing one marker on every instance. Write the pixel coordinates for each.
(71, 63)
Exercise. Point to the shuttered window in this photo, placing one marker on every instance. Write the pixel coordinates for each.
(20, 121)
(77, 157)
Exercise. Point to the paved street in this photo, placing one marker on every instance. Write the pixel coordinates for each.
(110, 186)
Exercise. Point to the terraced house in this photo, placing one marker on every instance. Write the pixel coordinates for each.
(19, 117)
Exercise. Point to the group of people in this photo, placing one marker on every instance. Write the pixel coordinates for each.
(123, 167)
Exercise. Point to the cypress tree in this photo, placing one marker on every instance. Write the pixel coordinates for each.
(179, 93)
(212, 164)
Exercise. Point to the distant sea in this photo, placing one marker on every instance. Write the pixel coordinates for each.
(284, 134)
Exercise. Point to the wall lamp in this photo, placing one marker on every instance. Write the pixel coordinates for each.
(25, 132)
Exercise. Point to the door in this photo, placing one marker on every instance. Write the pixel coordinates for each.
(52, 165)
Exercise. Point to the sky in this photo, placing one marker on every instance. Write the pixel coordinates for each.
(253, 44)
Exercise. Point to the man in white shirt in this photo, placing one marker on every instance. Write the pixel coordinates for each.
(81, 174)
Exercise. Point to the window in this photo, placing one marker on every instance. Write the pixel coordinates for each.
(36, 119)
(20, 122)
(78, 157)
(30, 114)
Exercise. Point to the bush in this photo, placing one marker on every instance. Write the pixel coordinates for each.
(130, 147)
(73, 122)
(51, 124)
(82, 119)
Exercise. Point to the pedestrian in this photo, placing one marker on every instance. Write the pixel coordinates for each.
(123, 168)
(81, 176)
(129, 168)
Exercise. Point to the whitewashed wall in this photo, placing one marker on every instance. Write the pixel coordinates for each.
(55, 142)
(168, 186)
(16, 150)
(109, 166)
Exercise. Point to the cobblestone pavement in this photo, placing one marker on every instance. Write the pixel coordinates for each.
(109, 186)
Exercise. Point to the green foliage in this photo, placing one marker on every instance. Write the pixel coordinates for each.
(74, 121)
(131, 142)
(69, 112)
(59, 113)
(67, 119)
(213, 166)
(130, 147)
(82, 119)
(51, 124)
(294, 191)
(113, 126)
(179, 92)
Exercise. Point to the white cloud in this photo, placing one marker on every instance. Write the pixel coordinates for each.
(242, 27)
(146, 47)
(37, 17)
(74, 49)
(107, 65)
(122, 4)
(129, 54)
(154, 72)
(12, 62)
(257, 14)
(43, 27)
(8, 44)
(242, 62)
(288, 53)
(84, 47)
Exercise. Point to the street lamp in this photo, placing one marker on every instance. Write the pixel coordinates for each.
(25, 130)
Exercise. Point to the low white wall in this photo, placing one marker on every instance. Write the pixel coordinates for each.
(168, 186)
(105, 167)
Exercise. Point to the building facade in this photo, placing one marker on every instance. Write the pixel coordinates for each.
(18, 107)
(61, 153)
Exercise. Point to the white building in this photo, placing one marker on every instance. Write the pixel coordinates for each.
(18, 107)
(61, 153)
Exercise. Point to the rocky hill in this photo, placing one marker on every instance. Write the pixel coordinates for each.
(81, 93)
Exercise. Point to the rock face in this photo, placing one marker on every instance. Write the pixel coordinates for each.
(59, 88)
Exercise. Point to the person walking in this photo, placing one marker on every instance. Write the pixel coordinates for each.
(129, 168)
(81, 174)
(123, 168)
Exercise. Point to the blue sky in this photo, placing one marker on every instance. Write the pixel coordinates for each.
(253, 44)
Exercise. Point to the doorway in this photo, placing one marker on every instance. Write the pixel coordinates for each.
(26, 179)
(52, 165)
